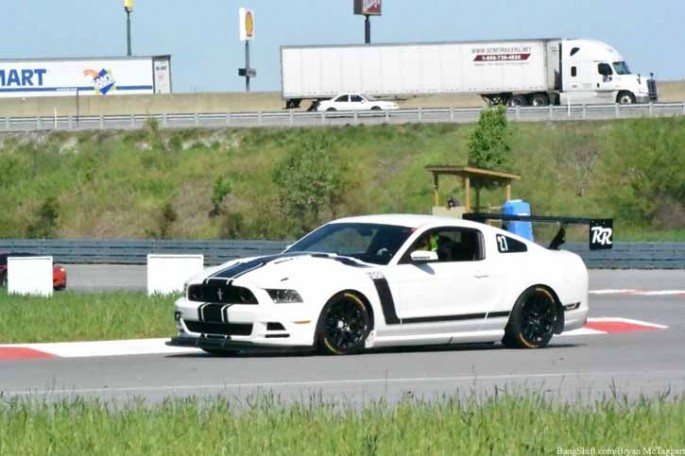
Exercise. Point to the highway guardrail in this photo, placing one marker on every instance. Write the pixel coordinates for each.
(292, 118)
(624, 255)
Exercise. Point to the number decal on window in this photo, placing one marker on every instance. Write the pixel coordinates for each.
(502, 244)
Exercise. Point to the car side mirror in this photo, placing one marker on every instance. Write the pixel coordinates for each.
(423, 256)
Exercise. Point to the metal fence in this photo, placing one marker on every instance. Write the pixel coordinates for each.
(310, 119)
(624, 255)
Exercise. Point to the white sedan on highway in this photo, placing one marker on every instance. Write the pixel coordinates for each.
(387, 280)
(355, 102)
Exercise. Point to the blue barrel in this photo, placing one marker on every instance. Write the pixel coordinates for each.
(518, 207)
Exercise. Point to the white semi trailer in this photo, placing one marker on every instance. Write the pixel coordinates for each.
(104, 76)
(516, 72)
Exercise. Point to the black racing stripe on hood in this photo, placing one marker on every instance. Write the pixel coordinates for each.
(239, 269)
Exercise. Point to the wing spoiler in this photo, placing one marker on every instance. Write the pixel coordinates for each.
(601, 233)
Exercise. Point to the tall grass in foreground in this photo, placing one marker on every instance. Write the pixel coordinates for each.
(504, 425)
(69, 316)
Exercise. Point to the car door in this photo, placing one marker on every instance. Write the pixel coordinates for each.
(357, 103)
(455, 290)
(342, 103)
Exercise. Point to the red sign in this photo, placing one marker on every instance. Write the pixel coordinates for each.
(367, 7)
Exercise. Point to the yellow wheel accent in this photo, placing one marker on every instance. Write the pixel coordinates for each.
(330, 347)
(532, 319)
(524, 342)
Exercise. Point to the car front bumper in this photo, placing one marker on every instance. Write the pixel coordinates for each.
(246, 326)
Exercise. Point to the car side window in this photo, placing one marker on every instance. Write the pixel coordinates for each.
(356, 98)
(342, 99)
(506, 244)
(452, 244)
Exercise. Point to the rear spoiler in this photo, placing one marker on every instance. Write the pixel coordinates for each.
(601, 233)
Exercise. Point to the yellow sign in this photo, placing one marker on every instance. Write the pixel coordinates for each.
(249, 24)
(246, 17)
(128, 5)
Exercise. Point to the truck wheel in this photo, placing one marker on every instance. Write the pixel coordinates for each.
(625, 98)
(517, 100)
(539, 99)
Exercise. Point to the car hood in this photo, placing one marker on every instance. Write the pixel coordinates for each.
(272, 270)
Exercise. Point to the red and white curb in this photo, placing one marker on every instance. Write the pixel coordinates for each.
(637, 292)
(611, 325)
(90, 349)
(594, 326)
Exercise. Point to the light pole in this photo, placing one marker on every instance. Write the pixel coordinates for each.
(128, 7)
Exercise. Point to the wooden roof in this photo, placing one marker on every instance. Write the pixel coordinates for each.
(471, 171)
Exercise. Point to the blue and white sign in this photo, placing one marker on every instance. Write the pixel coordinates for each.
(64, 77)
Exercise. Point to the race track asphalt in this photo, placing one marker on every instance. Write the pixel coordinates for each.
(576, 368)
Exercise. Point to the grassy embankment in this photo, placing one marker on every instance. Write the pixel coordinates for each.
(508, 424)
(69, 316)
(160, 183)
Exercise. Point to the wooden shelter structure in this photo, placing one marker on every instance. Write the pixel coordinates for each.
(472, 177)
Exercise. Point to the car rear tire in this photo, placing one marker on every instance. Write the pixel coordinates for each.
(331, 110)
(343, 326)
(376, 108)
(532, 320)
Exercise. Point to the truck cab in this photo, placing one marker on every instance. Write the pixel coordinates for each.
(594, 72)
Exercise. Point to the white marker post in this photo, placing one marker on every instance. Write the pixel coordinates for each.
(29, 275)
(166, 274)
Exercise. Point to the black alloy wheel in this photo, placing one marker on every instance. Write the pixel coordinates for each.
(343, 326)
(532, 320)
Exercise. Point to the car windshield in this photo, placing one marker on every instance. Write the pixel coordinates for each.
(368, 97)
(621, 68)
(371, 243)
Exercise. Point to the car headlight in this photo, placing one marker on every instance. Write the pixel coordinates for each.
(284, 296)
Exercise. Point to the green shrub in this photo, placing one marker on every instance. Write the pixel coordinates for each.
(490, 141)
(310, 182)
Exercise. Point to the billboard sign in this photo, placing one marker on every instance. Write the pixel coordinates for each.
(66, 77)
(367, 7)
(246, 19)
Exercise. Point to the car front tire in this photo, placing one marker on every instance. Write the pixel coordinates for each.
(343, 326)
(532, 320)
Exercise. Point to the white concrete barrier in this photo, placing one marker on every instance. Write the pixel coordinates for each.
(167, 273)
(29, 275)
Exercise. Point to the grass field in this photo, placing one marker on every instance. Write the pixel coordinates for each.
(68, 316)
(506, 424)
(152, 183)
